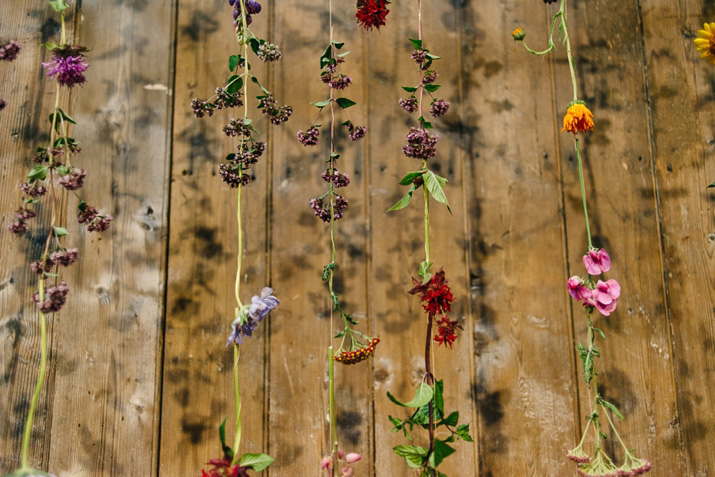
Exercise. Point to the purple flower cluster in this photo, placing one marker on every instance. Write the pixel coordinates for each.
(430, 77)
(55, 298)
(252, 8)
(67, 68)
(322, 210)
(236, 127)
(248, 153)
(221, 100)
(94, 220)
(268, 52)
(73, 180)
(420, 144)
(9, 51)
(3, 104)
(356, 132)
(419, 56)
(439, 108)
(277, 114)
(410, 104)
(336, 177)
(232, 175)
(333, 78)
(64, 257)
(33, 189)
(603, 295)
(19, 225)
(309, 137)
(248, 321)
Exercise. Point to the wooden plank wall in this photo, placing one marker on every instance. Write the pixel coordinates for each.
(139, 379)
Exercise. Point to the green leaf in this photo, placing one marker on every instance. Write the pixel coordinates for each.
(327, 269)
(405, 201)
(413, 455)
(339, 334)
(350, 319)
(345, 103)
(613, 408)
(711, 185)
(438, 399)
(441, 451)
(336, 301)
(233, 62)
(424, 271)
(227, 451)
(338, 44)
(416, 44)
(58, 5)
(63, 170)
(410, 177)
(343, 55)
(432, 87)
(320, 104)
(257, 462)
(326, 57)
(600, 332)
(424, 123)
(254, 43)
(61, 116)
(255, 80)
(39, 172)
(423, 395)
(409, 89)
(433, 57)
(60, 231)
(334, 155)
(52, 45)
(435, 186)
(463, 433)
(234, 84)
(451, 420)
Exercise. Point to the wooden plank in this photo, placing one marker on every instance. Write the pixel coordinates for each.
(109, 346)
(198, 369)
(525, 383)
(636, 364)
(300, 331)
(23, 125)
(397, 237)
(682, 114)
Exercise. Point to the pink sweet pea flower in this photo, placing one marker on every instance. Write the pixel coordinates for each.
(346, 471)
(597, 261)
(325, 463)
(605, 296)
(577, 289)
(352, 457)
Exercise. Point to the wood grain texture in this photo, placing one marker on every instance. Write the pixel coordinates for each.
(681, 97)
(525, 382)
(636, 363)
(198, 368)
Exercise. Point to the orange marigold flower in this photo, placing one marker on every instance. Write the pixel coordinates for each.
(705, 43)
(578, 118)
(518, 34)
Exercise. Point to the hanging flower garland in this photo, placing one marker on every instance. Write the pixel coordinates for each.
(236, 173)
(51, 180)
(593, 293)
(433, 289)
(330, 207)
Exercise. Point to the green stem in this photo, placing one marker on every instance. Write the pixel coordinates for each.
(237, 395)
(427, 239)
(551, 38)
(333, 424)
(564, 24)
(615, 431)
(583, 192)
(27, 434)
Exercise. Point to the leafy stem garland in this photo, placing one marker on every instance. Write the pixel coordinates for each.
(234, 172)
(601, 296)
(434, 292)
(53, 166)
(359, 346)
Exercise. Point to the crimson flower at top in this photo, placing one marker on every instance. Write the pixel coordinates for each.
(436, 297)
(372, 13)
(222, 468)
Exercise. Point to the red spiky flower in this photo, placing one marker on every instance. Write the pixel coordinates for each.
(372, 13)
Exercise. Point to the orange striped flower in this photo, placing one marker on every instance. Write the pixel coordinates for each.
(578, 118)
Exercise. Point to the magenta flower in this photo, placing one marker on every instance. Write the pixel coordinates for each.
(597, 261)
(577, 289)
(67, 68)
(605, 296)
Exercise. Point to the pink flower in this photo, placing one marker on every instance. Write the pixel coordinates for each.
(597, 261)
(346, 471)
(325, 463)
(577, 289)
(352, 457)
(605, 296)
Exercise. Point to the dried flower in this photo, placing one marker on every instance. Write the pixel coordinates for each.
(360, 354)
(439, 108)
(268, 52)
(420, 144)
(705, 42)
(43, 265)
(233, 176)
(429, 77)
(518, 34)
(410, 104)
(94, 220)
(17, 226)
(236, 127)
(73, 180)
(419, 56)
(67, 66)
(600, 465)
(310, 137)
(339, 81)
(578, 455)
(633, 466)
(32, 189)
(597, 261)
(3, 103)
(9, 51)
(336, 177)
(372, 13)
(64, 257)
(578, 118)
(323, 210)
(55, 298)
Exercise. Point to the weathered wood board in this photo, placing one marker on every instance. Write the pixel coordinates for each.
(139, 377)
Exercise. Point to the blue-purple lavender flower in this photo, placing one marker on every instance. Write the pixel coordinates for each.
(67, 66)
(248, 320)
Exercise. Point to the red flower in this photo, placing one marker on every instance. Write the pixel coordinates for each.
(447, 330)
(372, 13)
(222, 468)
(436, 295)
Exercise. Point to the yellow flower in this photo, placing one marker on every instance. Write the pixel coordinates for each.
(578, 118)
(705, 43)
(518, 34)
